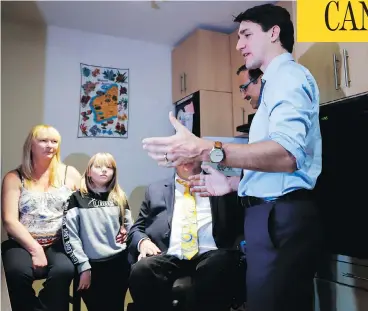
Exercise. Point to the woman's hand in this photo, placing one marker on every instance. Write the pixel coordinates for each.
(85, 280)
(39, 259)
(122, 235)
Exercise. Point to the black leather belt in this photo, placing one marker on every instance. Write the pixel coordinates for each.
(301, 194)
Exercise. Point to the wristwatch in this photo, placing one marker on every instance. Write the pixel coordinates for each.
(217, 154)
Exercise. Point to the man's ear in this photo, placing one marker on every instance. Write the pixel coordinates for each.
(275, 33)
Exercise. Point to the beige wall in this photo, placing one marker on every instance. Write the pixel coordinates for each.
(22, 85)
(5, 303)
(22, 92)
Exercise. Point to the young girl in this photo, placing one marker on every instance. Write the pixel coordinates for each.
(96, 221)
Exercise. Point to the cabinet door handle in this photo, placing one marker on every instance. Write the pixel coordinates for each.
(185, 82)
(345, 62)
(335, 61)
(350, 275)
(181, 83)
(243, 114)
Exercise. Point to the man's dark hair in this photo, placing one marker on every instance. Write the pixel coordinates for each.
(269, 15)
(241, 68)
(254, 74)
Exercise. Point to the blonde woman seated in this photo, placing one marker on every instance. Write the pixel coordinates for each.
(33, 196)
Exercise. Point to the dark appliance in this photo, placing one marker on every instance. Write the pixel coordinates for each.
(244, 128)
(187, 111)
(342, 188)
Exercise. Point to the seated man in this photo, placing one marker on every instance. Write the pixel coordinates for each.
(167, 247)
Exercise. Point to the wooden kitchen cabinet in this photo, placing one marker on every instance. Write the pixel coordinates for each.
(328, 63)
(334, 64)
(356, 68)
(206, 113)
(321, 59)
(216, 114)
(201, 62)
(178, 68)
(241, 107)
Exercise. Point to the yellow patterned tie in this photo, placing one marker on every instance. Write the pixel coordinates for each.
(189, 235)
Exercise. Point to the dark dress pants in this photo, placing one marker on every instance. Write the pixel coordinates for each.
(284, 246)
(54, 296)
(214, 281)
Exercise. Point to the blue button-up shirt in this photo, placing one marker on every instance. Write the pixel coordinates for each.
(289, 115)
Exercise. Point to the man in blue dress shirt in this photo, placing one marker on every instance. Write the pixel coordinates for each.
(281, 165)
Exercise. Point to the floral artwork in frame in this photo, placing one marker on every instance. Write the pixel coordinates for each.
(104, 102)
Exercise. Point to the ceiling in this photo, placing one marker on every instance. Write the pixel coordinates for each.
(169, 23)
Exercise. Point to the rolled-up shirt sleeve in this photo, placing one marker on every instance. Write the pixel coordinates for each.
(290, 108)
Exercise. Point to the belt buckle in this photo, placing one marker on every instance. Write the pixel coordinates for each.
(244, 201)
(247, 202)
(252, 201)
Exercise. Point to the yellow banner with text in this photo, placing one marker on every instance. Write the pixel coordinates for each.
(332, 21)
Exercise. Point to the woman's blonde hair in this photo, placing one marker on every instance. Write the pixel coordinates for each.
(27, 168)
(116, 193)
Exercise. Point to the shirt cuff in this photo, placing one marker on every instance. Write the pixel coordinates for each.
(285, 142)
(84, 266)
(139, 243)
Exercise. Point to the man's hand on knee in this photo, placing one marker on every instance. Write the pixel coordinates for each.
(148, 248)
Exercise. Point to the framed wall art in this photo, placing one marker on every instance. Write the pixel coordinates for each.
(104, 102)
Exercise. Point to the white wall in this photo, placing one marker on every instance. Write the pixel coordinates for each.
(150, 97)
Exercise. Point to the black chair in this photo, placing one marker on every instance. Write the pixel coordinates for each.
(75, 300)
(179, 292)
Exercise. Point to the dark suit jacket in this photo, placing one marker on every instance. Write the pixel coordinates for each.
(155, 218)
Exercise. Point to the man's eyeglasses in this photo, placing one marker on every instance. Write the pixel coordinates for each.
(243, 87)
